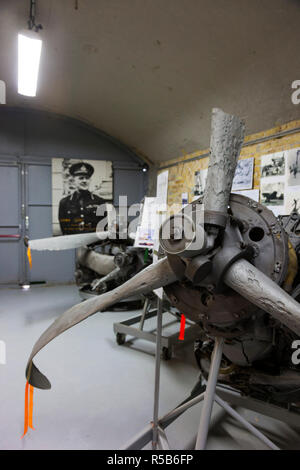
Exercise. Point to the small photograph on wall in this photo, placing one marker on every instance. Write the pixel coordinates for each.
(199, 183)
(293, 165)
(79, 187)
(292, 202)
(272, 194)
(243, 177)
(251, 193)
(273, 165)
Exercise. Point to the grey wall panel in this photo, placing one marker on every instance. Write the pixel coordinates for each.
(129, 183)
(39, 184)
(25, 131)
(52, 137)
(52, 266)
(9, 256)
(11, 131)
(9, 200)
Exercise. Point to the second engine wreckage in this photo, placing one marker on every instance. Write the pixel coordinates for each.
(103, 267)
(238, 282)
(103, 261)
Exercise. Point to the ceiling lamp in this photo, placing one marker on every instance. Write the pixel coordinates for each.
(2, 92)
(29, 54)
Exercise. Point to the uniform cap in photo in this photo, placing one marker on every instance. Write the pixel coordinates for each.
(81, 169)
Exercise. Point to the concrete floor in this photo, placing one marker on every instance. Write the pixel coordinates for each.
(102, 393)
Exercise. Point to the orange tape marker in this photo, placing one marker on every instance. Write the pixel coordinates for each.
(28, 409)
(29, 257)
(30, 406)
(182, 327)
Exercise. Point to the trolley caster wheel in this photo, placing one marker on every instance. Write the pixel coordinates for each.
(166, 354)
(120, 337)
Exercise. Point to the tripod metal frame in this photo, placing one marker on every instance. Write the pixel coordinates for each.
(210, 397)
(155, 431)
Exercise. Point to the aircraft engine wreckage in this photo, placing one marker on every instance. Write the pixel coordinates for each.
(103, 261)
(240, 283)
(103, 267)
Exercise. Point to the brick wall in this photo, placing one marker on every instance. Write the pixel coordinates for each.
(181, 176)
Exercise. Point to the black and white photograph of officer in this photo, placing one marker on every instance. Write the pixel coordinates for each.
(77, 210)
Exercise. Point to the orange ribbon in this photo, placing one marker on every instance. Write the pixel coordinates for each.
(30, 407)
(28, 411)
(29, 257)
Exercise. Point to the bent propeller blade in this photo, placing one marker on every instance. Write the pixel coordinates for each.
(152, 277)
(227, 135)
(260, 290)
(66, 242)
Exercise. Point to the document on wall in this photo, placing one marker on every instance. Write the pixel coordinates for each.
(147, 231)
(162, 198)
(162, 187)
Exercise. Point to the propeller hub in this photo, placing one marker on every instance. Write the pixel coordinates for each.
(183, 234)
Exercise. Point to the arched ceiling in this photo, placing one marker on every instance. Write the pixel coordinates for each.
(148, 72)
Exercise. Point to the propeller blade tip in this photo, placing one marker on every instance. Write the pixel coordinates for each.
(36, 378)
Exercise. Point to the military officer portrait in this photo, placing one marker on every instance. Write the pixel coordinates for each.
(77, 212)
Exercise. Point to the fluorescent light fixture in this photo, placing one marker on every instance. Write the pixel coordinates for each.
(29, 54)
(2, 92)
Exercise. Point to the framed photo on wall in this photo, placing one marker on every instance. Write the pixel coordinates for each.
(79, 187)
(243, 178)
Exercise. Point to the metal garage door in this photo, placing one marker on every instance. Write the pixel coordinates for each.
(49, 266)
(10, 226)
(25, 209)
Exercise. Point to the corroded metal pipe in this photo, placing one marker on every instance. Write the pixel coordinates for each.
(259, 289)
(152, 277)
(227, 135)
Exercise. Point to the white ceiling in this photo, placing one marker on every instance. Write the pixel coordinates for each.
(148, 72)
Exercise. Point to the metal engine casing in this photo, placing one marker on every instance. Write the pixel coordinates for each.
(224, 312)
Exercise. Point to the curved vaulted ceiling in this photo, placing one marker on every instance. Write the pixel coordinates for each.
(148, 72)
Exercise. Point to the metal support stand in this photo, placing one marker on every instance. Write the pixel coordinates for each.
(155, 432)
(209, 394)
(157, 374)
(168, 342)
(210, 397)
(143, 316)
